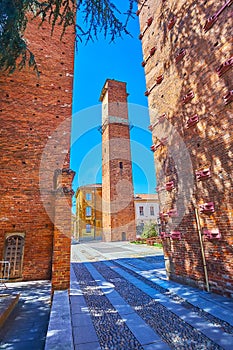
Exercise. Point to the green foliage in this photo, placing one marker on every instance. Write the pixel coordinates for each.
(95, 16)
(150, 230)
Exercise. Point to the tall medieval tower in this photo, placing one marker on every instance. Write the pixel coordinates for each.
(117, 189)
(187, 58)
(36, 179)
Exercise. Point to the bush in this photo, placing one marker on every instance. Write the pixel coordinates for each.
(150, 230)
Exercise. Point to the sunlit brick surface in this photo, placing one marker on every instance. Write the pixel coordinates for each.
(190, 58)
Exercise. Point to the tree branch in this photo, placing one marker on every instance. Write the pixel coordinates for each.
(97, 16)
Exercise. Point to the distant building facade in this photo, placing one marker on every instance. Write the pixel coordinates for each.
(89, 212)
(146, 210)
(73, 226)
(87, 224)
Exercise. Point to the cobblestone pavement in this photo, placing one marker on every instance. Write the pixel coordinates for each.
(120, 299)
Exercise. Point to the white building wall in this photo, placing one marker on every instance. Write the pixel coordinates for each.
(147, 217)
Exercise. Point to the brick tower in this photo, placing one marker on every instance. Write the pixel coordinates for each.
(35, 191)
(187, 48)
(117, 189)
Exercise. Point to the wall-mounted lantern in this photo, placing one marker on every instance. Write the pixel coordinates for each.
(164, 235)
(188, 97)
(154, 147)
(169, 186)
(210, 22)
(159, 79)
(152, 51)
(180, 55)
(161, 118)
(192, 121)
(175, 235)
(149, 21)
(212, 233)
(171, 22)
(203, 174)
(228, 98)
(148, 24)
(207, 208)
(224, 67)
(142, 5)
(172, 213)
(212, 19)
(163, 216)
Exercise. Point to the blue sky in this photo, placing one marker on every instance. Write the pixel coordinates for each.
(94, 63)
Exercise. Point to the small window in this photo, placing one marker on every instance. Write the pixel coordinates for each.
(88, 211)
(88, 196)
(141, 211)
(152, 211)
(88, 228)
(121, 165)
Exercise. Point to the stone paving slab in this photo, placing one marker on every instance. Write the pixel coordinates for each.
(203, 300)
(88, 346)
(130, 257)
(81, 320)
(138, 327)
(156, 346)
(214, 333)
(84, 334)
(78, 305)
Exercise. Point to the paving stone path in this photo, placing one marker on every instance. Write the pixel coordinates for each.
(129, 306)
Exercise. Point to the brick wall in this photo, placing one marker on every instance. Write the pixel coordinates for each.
(33, 147)
(117, 190)
(180, 62)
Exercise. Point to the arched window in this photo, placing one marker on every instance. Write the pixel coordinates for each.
(14, 244)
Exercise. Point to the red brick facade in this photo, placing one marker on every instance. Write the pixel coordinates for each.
(117, 190)
(188, 68)
(35, 191)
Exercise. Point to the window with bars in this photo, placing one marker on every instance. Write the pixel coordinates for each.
(152, 211)
(141, 211)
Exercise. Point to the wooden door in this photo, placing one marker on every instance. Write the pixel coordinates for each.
(14, 254)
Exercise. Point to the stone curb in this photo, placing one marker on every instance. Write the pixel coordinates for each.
(7, 304)
(59, 335)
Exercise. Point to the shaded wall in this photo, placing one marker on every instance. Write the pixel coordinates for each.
(35, 120)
